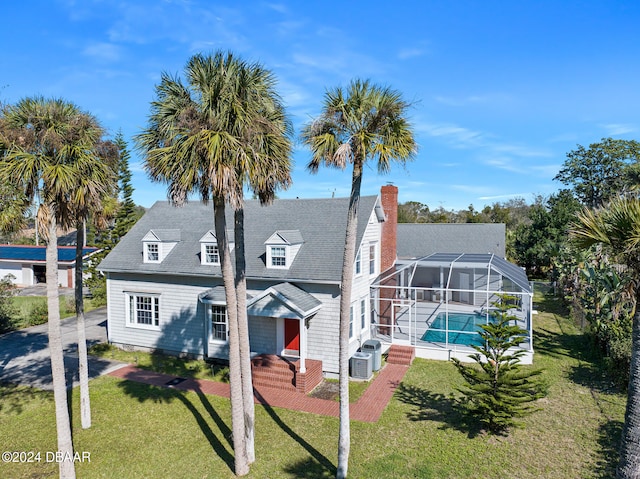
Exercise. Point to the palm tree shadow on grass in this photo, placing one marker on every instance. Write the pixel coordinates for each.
(315, 467)
(143, 392)
(609, 436)
(428, 406)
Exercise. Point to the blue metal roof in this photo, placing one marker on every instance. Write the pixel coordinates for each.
(38, 253)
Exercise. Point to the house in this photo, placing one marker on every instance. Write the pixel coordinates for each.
(165, 289)
(27, 264)
(416, 240)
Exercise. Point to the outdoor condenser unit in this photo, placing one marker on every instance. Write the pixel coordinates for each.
(361, 367)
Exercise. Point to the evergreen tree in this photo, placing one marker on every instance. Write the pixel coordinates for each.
(499, 390)
(127, 212)
(127, 215)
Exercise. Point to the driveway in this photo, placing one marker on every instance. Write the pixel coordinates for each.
(24, 354)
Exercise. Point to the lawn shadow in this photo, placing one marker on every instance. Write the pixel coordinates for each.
(309, 469)
(145, 392)
(429, 406)
(317, 466)
(609, 436)
(14, 396)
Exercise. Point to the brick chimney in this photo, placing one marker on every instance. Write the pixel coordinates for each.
(388, 249)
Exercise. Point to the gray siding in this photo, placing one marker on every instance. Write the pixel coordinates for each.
(181, 314)
(262, 334)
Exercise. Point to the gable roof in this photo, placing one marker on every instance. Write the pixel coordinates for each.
(416, 240)
(293, 298)
(321, 222)
(162, 235)
(66, 254)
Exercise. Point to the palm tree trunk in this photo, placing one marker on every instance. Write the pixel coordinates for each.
(235, 375)
(63, 424)
(243, 332)
(83, 362)
(629, 466)
(344, 437)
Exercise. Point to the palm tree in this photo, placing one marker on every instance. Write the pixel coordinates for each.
(96, 180)
(617, 226)
(207, 137)
(364, 122)
(46, 155)
(266, 170)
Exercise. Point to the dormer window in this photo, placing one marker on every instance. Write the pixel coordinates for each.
(211, 254)
(157, 244)
(153, 253)
(209, 251)
(278, 256)
(282, 248)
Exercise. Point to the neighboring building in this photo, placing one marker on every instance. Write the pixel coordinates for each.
(165, 291)
(27, 264)
(416, 240)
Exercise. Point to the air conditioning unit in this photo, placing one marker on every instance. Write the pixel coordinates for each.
(361, 366)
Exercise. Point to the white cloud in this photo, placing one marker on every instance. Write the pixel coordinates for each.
(407, 53)
(456, 135)
(105, 52)
(504, 196)
(615, 129)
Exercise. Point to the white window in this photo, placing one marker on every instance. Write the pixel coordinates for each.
(359, 262)
(278, 256)
(363, 314)
(372, 258)
(143, 311)
(153, 252)
(211, 254)
(219, 330)
(351, 321)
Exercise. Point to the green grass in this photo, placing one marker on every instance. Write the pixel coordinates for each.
(186, 368)
(141, 431)
(31, 310)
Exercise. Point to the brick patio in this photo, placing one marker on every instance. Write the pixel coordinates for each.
(368, 408)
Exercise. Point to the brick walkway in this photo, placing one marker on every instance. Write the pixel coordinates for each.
(366, 409)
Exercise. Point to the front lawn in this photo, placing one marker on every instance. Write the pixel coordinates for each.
(141, 431)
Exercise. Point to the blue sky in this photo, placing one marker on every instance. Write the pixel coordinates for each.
(501, 90)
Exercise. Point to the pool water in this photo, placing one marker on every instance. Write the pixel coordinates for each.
(463, 329)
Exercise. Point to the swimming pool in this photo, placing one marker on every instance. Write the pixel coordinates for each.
(463, 329)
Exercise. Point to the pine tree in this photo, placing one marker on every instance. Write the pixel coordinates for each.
(127, 213)
(500, 389)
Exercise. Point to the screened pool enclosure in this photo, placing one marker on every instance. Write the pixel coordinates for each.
(437, 303)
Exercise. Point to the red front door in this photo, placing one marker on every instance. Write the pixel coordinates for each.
(292, 335)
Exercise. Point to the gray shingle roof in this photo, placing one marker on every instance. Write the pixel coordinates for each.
(320, 222)
(421, 239)
(294, 298)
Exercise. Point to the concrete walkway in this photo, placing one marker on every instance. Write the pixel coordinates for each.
(368, 408)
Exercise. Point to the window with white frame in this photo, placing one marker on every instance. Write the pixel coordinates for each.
(278, 256)
(152, 253)
(211, 254)
(372, 258)
(358, 265)
(143, 310)
(363, 314)
(219, 329)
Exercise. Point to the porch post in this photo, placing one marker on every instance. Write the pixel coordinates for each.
(303, 346)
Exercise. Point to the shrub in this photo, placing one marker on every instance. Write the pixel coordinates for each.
(38, 314)
(7, 310)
